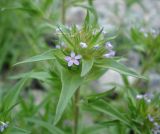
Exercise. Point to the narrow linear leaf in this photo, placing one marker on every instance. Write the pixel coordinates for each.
(28, 10)
(35, 75)
(48, 55)
(12, 95)
(99, 95)
(17, 130)
(96, 37)
(52, 129)
(94, 129)
(108, 109)
(66, 38)
(70, 83)
(122, 69)
(86, 66)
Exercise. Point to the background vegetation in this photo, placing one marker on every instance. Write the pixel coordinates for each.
(112, 104)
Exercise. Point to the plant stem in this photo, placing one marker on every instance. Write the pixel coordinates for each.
(76, 111)
(125, 80)
(63, 11)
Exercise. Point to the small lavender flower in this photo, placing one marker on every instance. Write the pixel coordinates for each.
(73, 59)
(142, 30)
(150, 118)
(96, 46)
(155, 124)
(110, 54)
(109, 46)
(148, 97)
(58, 46)
(156, 129)
(139, 97)
(154, 32)
(83, 45)
(3, 126)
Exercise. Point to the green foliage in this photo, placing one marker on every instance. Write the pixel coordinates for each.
(70, 83)
(49, 55)
(86, 66)
(67, 60)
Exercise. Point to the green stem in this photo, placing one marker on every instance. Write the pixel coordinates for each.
(76, 111)
(125, 80)
(143, 70)
(63, 11)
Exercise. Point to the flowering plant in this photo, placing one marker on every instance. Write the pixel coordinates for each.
(81, 55)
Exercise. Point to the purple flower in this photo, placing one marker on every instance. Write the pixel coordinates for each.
(150, 118)
(73, 59)
(148, 97)
(156, 129)
(110, 54)
(58, 46)
(3, 126)
(109, 46)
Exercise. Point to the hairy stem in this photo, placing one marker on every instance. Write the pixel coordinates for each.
(76, 111)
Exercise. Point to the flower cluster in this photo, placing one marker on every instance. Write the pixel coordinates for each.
(152, 32)
(74, 59)
(147, 97)
(84, 42)
(3, 126)
(156, 129)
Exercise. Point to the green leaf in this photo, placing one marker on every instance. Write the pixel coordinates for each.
(122, 69)
(70, 83)
(49, 55)
(52, 129)
(99, 95)
(87, 18)
(35, 75)
(93, 41)
(92, 10)
(17, 130)
(13, 94)
(86, 66)
(94, 129)
(66, 38)
(108, 109)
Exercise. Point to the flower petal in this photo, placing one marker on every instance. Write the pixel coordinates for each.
(67, 58)
(139, 96)
(110, 54)
(70, 63)
(77, 57)
(72, 54)
(76, 62)
(109, 46)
